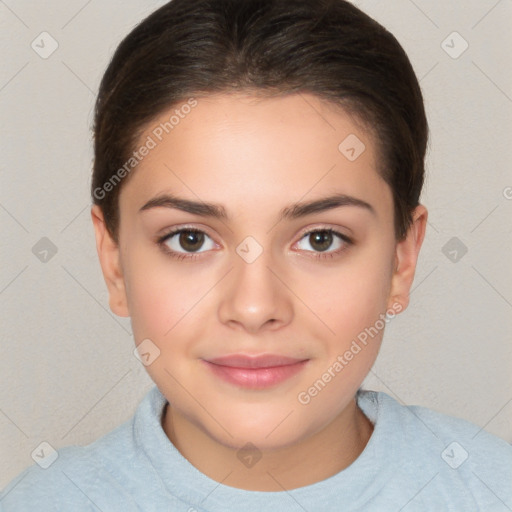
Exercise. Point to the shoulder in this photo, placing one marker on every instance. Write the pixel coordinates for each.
(457, 436)
(71, 481)
(459, 456)
(83, 478)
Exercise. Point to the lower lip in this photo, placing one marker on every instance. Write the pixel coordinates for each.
(256, 378)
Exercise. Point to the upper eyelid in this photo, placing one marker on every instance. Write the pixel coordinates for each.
(175, 230)
(302, 232)
(337, 231)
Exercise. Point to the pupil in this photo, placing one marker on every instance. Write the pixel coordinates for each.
(191, 241)
(323, 240)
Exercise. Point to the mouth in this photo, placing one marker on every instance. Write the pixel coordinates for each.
(255, 372)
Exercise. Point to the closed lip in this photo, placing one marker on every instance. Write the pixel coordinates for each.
(261, 361)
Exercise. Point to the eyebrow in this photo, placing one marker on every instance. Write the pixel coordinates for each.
(293, 211)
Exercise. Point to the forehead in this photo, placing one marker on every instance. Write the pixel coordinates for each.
(242, 148)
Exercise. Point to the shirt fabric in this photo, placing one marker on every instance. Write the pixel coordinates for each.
(415, 460)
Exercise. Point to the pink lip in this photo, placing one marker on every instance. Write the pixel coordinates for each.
(255, 372)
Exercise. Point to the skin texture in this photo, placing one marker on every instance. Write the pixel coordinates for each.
(256, 156)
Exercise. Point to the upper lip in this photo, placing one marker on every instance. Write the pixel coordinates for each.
(261, 361)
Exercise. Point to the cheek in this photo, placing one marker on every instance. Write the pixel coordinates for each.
(352, 304)
(351, 297)
(160, 295)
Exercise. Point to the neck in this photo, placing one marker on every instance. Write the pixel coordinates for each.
(313, 459)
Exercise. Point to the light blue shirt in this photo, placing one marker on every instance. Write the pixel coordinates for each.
(416, 460)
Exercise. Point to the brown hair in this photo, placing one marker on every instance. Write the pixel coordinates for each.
(189, 48)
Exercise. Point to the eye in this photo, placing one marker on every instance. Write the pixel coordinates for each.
(181, 242)
(320, 240)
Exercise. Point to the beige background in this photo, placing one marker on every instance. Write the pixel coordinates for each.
(68, 373)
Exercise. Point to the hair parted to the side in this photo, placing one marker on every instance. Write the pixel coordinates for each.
(192, 48)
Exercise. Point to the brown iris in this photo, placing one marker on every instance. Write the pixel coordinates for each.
(321, 240)
(191, 240)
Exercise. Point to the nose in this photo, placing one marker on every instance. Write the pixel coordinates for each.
(254, 297)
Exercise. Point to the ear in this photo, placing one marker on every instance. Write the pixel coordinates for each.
(406, 257)
(108, 253)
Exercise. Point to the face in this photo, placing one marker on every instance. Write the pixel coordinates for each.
(258, 256)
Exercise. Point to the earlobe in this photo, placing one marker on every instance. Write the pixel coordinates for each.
(406, 257)
(108, 254)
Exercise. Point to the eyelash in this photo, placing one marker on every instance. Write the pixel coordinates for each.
(161, 242)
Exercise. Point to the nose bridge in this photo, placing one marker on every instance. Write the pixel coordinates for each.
(253, 296)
